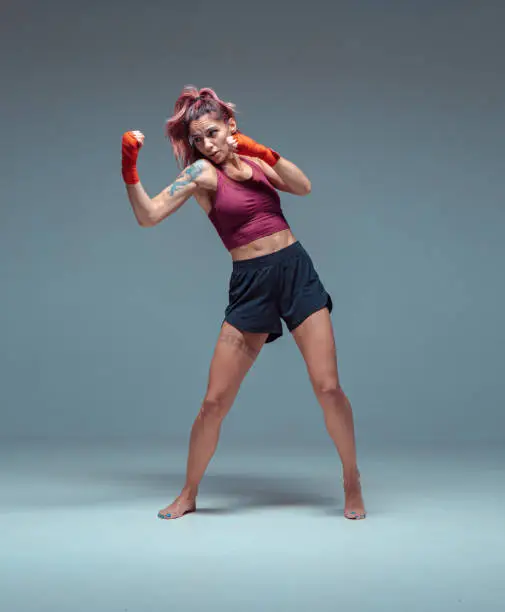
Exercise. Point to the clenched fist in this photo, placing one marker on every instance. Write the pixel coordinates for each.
(131, 145)
(243, 145)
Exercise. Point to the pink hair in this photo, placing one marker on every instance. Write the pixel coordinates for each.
(191, 105)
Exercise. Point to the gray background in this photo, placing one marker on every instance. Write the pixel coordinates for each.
(395, 112)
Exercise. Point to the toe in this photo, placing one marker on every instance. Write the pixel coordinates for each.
(353, 515)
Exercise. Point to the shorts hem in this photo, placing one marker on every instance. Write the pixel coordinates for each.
(272, 335)
(328, 304)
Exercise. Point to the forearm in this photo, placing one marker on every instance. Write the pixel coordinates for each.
(294, 178)
(141, 204)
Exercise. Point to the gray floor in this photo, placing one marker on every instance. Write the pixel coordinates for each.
(79, 530)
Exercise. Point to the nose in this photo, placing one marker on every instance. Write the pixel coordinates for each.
(208, 146)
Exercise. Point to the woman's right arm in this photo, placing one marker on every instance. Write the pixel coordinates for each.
(150, 211)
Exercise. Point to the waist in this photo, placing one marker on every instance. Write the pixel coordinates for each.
(271, 241)
(268, 259)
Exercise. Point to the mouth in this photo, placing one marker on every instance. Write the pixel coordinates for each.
(215, 156)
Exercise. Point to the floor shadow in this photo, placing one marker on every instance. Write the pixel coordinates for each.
(221, 493)
(216, 511)
(238, 491)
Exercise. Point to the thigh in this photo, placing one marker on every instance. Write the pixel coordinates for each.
(234, 354)
(316, 341)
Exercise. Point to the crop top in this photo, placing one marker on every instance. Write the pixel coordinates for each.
(247, 210)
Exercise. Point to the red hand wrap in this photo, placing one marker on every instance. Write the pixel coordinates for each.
(248, 146)
(129, 153)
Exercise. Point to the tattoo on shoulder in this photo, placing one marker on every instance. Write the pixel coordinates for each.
(188, 175)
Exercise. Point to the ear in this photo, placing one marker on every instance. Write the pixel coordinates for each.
(232, 124)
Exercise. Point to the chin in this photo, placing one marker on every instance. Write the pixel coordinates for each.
(219, 158)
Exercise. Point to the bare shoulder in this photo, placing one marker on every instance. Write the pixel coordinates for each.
(206, 182)
(270, 173)
(204, 174)
(256, 160)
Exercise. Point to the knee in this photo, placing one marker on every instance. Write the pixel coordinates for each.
(214, 407)
(329, 388)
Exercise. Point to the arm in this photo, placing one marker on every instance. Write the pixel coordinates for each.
(151, 211)
(285, 176)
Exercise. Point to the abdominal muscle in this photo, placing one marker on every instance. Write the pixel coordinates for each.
(263, 246)
(256, 248)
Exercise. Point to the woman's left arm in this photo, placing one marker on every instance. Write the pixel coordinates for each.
(285, 176)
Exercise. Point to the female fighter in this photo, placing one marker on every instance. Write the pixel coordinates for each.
(236, 182)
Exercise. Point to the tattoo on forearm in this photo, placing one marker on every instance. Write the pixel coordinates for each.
(187, 176)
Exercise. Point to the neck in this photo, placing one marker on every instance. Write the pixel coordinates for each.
(233, 160)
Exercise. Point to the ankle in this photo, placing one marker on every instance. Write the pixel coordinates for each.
(351, 476)
(189, 491)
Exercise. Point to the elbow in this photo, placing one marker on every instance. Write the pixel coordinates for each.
(147, 221)
(144, 217)
(143, 221)
(150, 218)
(305, 188)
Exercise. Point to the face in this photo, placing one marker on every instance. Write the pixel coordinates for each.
(209, 135)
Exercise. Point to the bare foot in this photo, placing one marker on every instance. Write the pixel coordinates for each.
(354, 505)
(181, 506)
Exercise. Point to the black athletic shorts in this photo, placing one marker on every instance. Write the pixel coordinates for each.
(282, 285)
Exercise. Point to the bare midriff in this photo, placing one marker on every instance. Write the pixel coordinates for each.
(263, 246)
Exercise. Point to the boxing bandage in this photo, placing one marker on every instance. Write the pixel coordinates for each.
(247, 146)
(129, 153)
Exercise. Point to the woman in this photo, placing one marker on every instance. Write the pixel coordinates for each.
(236, 182)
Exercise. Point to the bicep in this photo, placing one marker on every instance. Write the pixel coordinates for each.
(177, 193)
